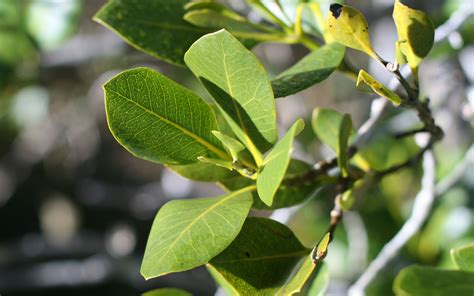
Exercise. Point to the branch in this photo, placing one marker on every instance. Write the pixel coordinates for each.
(421, 209)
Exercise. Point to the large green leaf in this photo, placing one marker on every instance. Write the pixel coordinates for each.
(288, 194)
(464, 257)
(157, 119)
(275, 165)
(422, 281)
(167, 292)
(153, 26)
(377, 87)
(348, 26)
(261, 258)
(415, 33)
(188, 233)
(326, 124)
(240, 87)
(312, 69)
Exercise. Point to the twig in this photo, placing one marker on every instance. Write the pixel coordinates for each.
(421, 209)
(409, 133)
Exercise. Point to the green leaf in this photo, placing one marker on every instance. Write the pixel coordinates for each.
(240, 87)
(275, 165)
(261, 258)
(322, 248)
(326, 125)
(321, 281)
(220, 17)
(415, 33)
(153, 26)
(421, 281)
(200, 171)
(349, 27)
(345, 129)
(167, 292)
(377, 87)
(218, 162)
(312, 69)
(464, 257)
(188, 233)
(288, 194)
(158, 120)
(233, 146)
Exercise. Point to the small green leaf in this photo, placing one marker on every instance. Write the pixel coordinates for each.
(288, 194)
(464, 257)
(349, 27)
(153, 26)
(204, 172)
(322, 248)
(240, 87)
(415, 33)
(188, 233)
(312, 69)
(345, 129)
(218, 162)
(167, 292)
(399, 55)
(275, 165)
(365, 78)
(158, 120)
(326, 125)
(220, 18)
(321, 281)
(261, 258)
(232, 145)
(422, 281)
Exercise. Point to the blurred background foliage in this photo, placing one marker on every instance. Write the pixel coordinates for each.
(76, 208)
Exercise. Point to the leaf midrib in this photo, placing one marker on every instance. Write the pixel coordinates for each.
(200, 140)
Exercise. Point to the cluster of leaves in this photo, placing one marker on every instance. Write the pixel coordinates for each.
(422, 280)
(234, 140)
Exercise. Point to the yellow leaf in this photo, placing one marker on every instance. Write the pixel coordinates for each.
(365, 78)
(415, 33)
(348, 26)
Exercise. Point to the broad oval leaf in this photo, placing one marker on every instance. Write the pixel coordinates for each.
(415, 33)
(377, 87)
(240, 87)
(275, 165)
(167, 292)
(288, 194)
(421, 281)
(153, 26)
(233, 146)
(349, 27)
(189, 233)
(158, 120)
(464, 257)
(312, 69)
(261, 259)
(326, 125)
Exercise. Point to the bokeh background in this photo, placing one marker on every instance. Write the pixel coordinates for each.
(76, 208)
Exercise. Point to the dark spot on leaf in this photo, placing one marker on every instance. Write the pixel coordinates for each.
(247, 254)
(336, 10)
